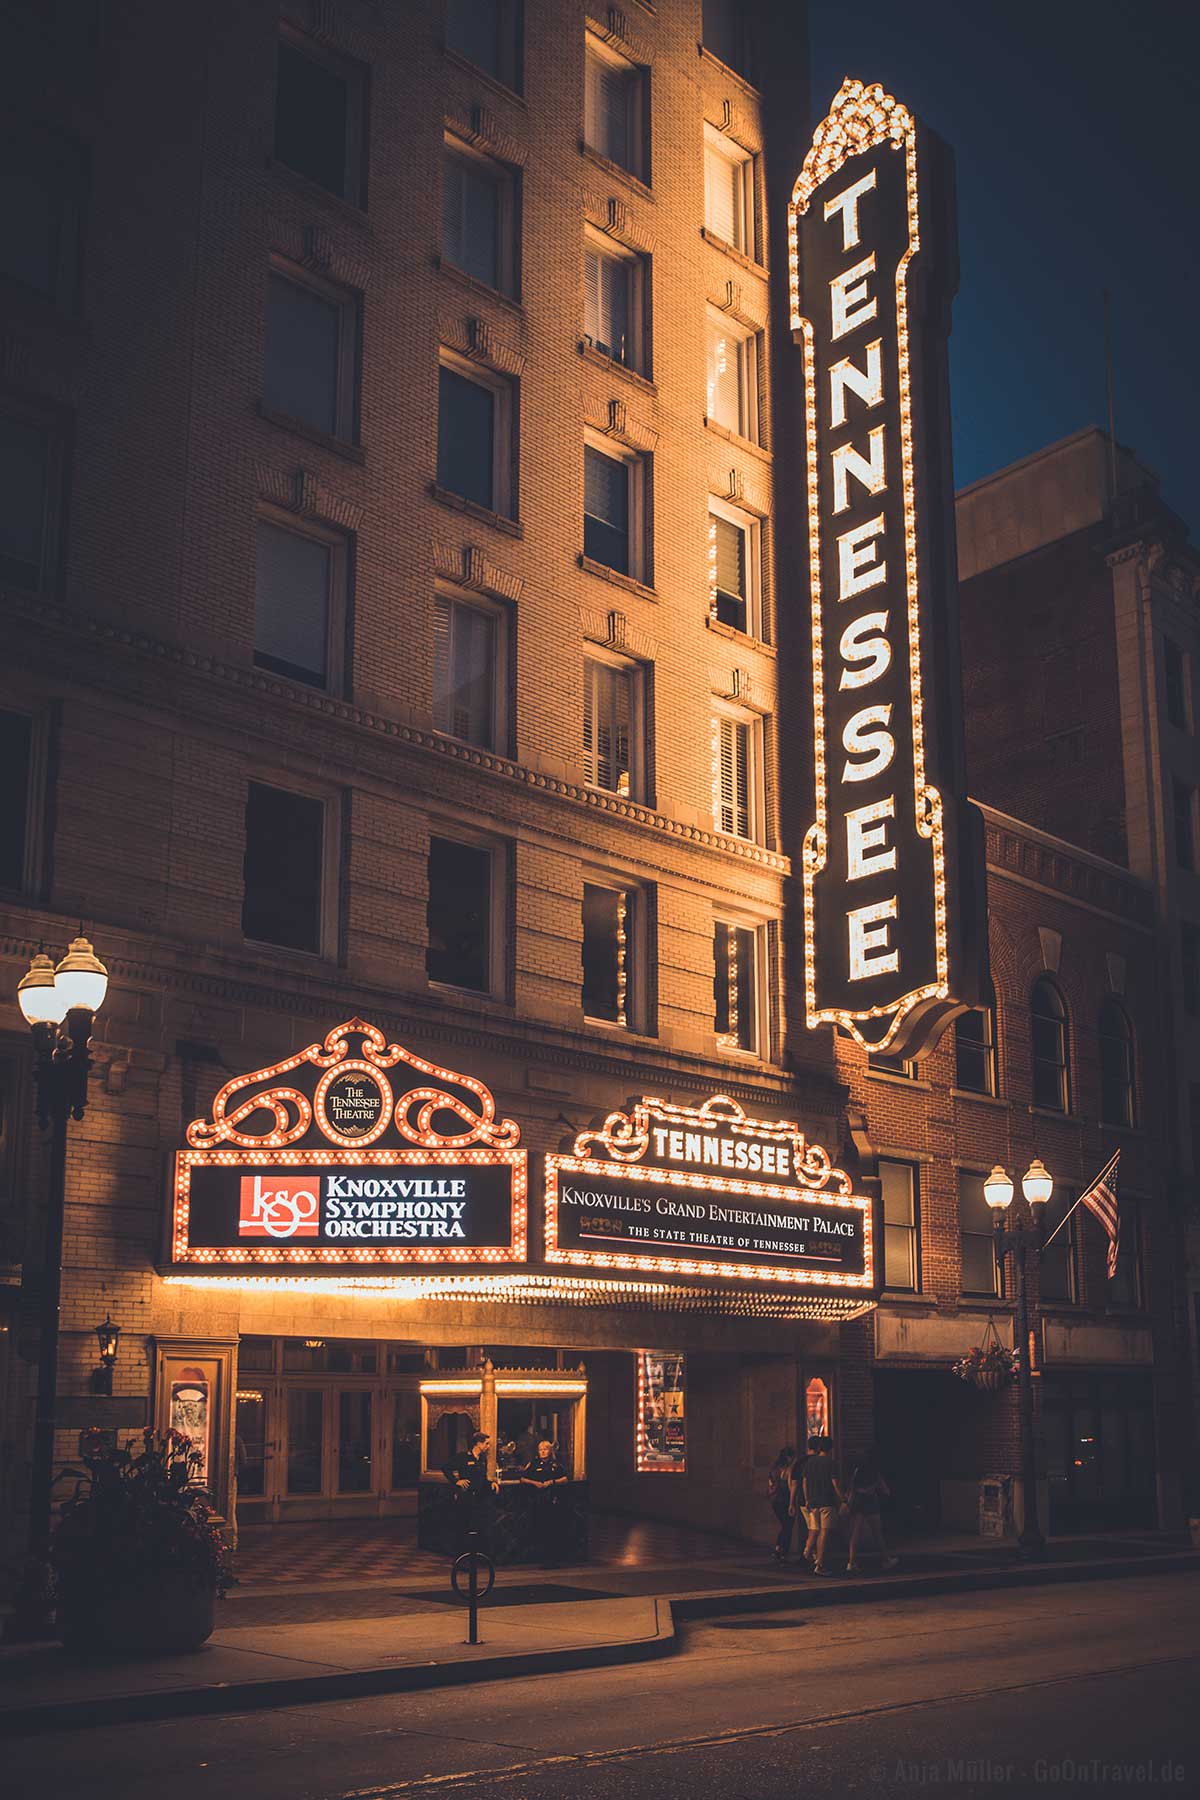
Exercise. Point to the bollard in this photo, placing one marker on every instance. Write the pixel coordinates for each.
(470, 1560)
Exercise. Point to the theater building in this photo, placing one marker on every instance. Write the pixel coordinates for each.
(395, 593)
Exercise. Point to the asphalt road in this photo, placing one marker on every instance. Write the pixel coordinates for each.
(1077, 1690)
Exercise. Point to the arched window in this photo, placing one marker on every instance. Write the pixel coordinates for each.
(1116, 1065)
(975, 1048)
(1049, 1017)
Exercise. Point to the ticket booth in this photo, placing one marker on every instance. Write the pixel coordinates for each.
(517, 1408)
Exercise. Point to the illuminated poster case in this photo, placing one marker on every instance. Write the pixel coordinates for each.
(670, 1189)
(331, 1158)
(661, 1445)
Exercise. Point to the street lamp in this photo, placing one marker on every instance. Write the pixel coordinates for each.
(59, 1005)
(1020, 1228)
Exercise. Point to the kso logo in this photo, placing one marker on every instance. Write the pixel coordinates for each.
(289, 1207)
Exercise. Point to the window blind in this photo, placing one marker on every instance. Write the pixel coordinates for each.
(606, 726)
(291, 603)
(733, 803)
(464, 671)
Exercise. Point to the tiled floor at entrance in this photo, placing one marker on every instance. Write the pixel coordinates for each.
(367, 1550)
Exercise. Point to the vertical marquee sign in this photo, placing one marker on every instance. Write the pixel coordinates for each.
(895, 943)
(330, 1158)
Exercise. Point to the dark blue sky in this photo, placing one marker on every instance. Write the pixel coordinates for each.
(1076, 130)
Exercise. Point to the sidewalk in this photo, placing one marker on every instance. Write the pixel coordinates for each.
(338, 1641)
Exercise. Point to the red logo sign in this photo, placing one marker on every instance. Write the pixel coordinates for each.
(282, 1206)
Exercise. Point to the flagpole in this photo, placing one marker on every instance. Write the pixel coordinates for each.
(1087, 1190)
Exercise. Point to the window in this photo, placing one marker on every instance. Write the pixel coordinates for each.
(736, 985)
(879, 1062)
(1125, 1286)
(320, 103)
(735, 568)
(479, 219)
(299, 603)
(1057, 1277)
(732, 377)
(610, 725)
(1184, 799)
(735, 776)
(30, 479)
(899, 1184)
(608, 925)
(41, 190)
(975, 1049)
(613, 287)
(468, 657)
(474, 437)
(1175, 681)
(1049, 1035)
(1189, 948)
(462, 915)
(1116, 1065)
(728, 192)
(727, 34)
(612, 109)
(484, 31)
(981, 1270)
(284, 871)
(17, 746)
(311, 355)
(612, 491)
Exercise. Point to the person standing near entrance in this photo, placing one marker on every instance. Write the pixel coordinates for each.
(545, 1478)
(779, 1493)
(818, 1493)
(468, 1473)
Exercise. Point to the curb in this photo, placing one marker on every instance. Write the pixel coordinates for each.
(670, 1614)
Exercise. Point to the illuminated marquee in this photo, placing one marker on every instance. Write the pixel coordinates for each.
(705, 1190)
(895, 944)
(333, 1159)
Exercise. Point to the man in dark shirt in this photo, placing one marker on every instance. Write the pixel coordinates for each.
(815, 1488)
(468, 1474)
(545, 1477)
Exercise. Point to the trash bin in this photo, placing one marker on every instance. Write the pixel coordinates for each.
(995, 1505)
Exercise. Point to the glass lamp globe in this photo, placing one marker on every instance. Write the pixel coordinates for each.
(998, 1189)
(1037, 1183)
(38, 994)
(81, 977)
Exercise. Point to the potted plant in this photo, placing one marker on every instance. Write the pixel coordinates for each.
(138, 1562)
(986, 1365)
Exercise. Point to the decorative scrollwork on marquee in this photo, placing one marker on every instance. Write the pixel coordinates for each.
(625, 1136)
(288, 1113)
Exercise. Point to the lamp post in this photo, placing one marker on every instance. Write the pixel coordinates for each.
(59, 1005)
(1021, 1228)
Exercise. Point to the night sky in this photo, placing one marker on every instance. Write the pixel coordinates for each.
(1076, 130)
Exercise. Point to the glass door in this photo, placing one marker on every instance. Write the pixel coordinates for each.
(304, 1456)
(355, 1441)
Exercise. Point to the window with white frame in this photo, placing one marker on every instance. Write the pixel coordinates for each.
(21, 760)
(735, 568)
(737, 765)
(320, 115)
(479, 217)
(30, 497)
(469, 658)
(485, 33)
(475, 411)
(465, 914)
(738, 955)
(612, 724)
(613, 290)
(614, 91)
(732, 376)
(610, 927)
(299, 602)
(614, 510)
(728, 191)
(899, 1186)
(310, 366)
(287, 888)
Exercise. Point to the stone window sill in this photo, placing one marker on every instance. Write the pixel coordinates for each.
(735, 437)
(483, 288)
(312, 190)
(1050, 1112)
(614, 367)
(340, 446)
(458, 503)
(492, 81)
(901, 1081)
(627, 582)
(612, 168)
(957, 1093)
(739, 256)
(739, 637)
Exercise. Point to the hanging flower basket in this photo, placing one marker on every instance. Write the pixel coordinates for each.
(988, 1365)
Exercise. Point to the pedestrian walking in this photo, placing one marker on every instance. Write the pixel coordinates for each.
(816, 1492)
(867, 1489)
(779, 1493)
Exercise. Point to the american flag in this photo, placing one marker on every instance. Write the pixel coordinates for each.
(1101, 1199)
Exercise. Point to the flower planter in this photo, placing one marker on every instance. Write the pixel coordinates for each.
(167, 1611)
(989, 1380)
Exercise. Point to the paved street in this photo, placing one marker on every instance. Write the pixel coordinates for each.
(1006, 1692)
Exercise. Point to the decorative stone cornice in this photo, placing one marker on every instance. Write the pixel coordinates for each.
(734, 123)
(480, 128)
(315, 247)
(614, 31)
(477, 338)
(751, 490)
(468, 567)
(740, 685)
(746, 306)
(612, 419)
(305, 494)
(615, 218)
(614, 630)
